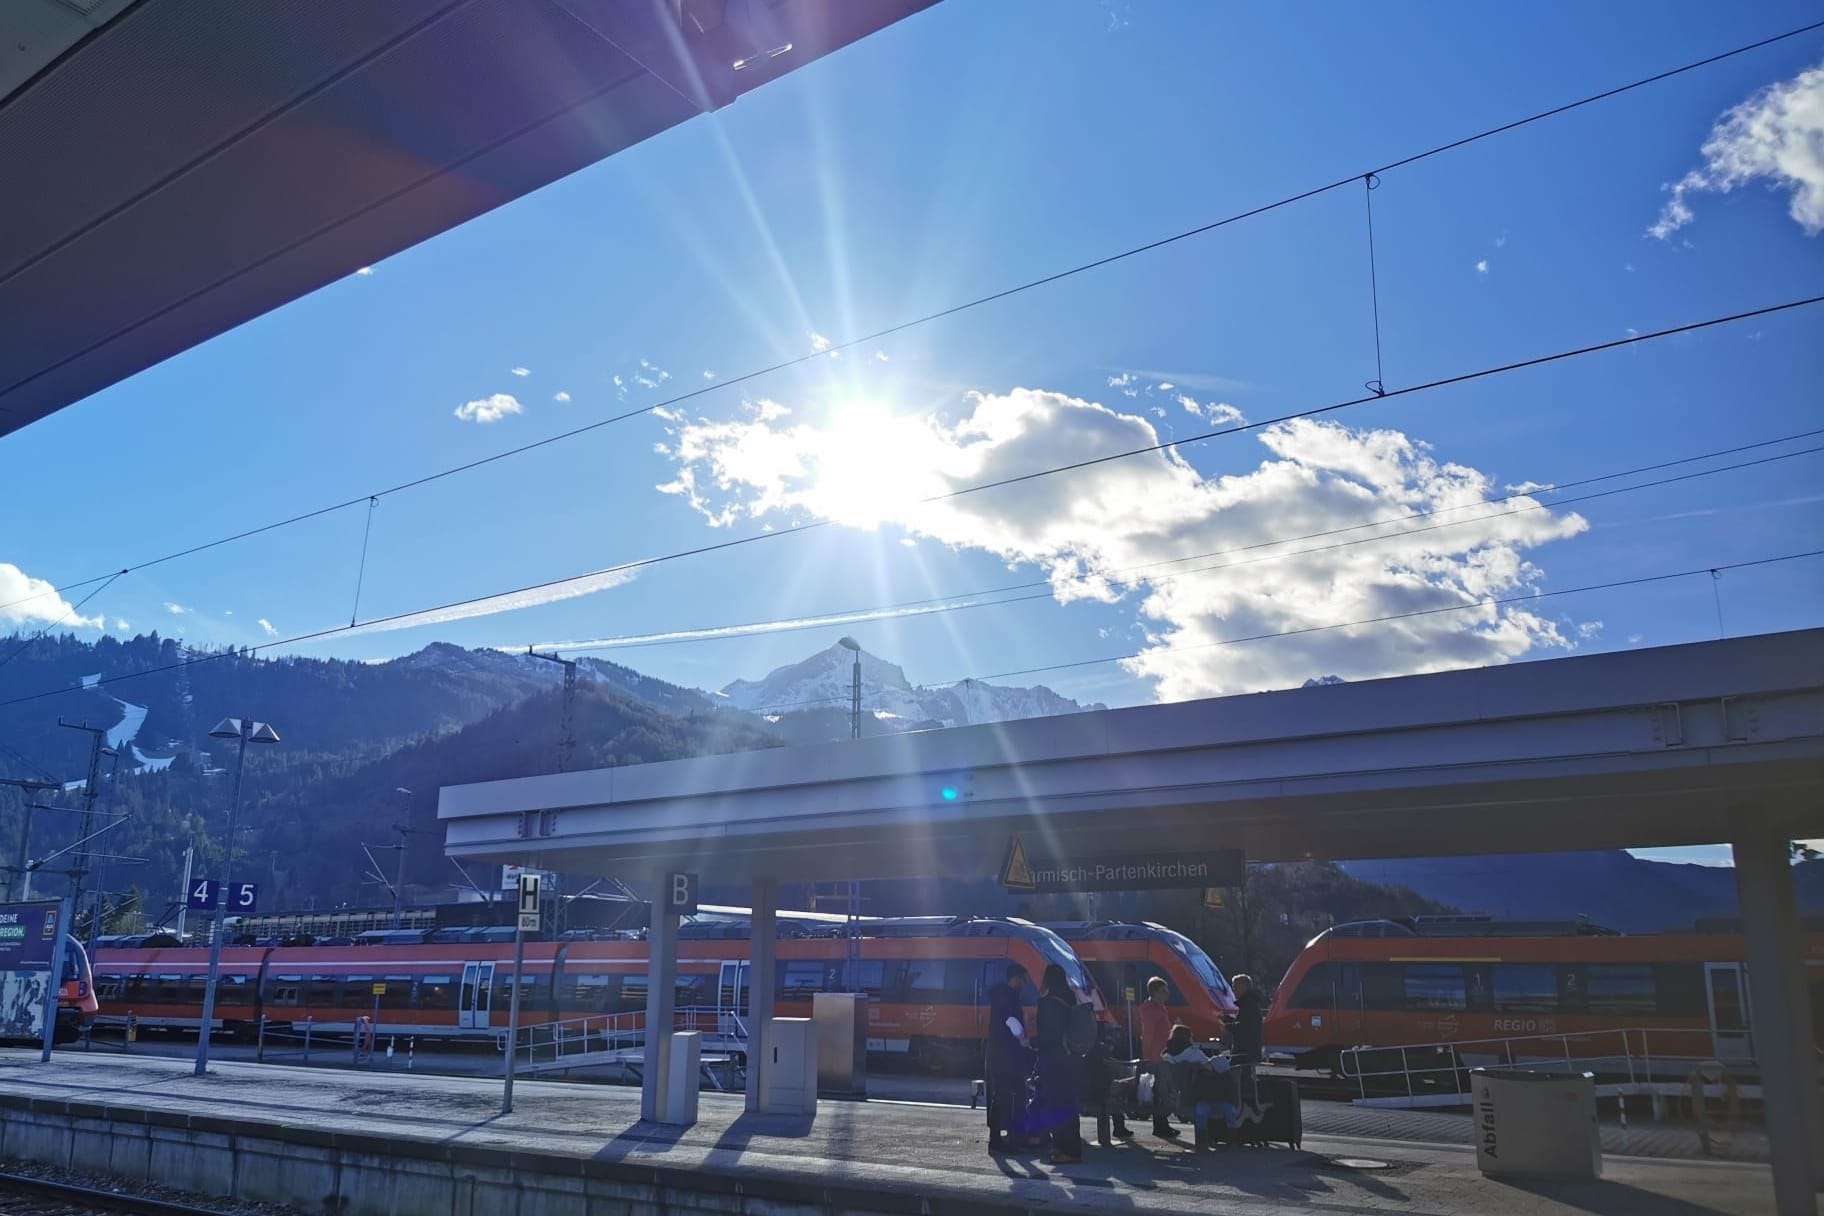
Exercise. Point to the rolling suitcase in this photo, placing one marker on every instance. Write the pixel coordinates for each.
(1281, 1120)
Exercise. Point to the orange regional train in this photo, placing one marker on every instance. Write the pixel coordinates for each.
(1459, 980)
(1124, 956)
(926, 978)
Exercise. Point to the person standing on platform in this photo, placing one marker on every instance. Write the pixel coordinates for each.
(1247, 1019)
(1054, 1106)
(1155, 1029)
(1004, 1060)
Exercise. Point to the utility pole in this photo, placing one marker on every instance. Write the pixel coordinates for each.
(79, 868)
(566, 734)
(21, 885)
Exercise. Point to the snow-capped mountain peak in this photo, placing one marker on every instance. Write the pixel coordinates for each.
(823, 681)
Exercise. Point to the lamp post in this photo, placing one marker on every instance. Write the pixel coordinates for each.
(851, 644)
(247, 731)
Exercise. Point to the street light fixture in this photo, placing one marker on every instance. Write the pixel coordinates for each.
(246, 730)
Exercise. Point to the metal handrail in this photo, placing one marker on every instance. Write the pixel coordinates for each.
(1628, 1049)
(602, 1032)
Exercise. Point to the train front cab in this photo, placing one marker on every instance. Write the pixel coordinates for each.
(1124, 957)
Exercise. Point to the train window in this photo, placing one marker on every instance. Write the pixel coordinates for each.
(1620, 988)
(926, 982)
(283, 989)
(322, 991)
(1681, 990)
(1383, 986)
(695, 992)
(1317, 990)
(633, 993)
(398, 994)
(800, 979)
(591, 993)
(1435, 986)
(232, 990)
(437, 992)
(868, 975)
(994, 971)
(1526, 988)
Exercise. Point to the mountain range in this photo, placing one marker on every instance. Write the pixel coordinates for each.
(890, 702)
(366, 746)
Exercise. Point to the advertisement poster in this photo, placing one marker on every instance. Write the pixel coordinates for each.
(29, 939)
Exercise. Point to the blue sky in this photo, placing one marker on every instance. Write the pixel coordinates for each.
(971, 147)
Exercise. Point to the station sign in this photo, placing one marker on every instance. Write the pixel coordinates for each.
(31, 940)
(205, 893)
(680, 896)
(528, 901)
(1163, 870)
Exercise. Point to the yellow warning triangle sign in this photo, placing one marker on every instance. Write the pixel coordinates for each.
(1016, 875)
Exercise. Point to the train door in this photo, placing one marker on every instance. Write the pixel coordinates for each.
(732, 996)
(477, 996)
(1350, 1007)
(1731, 1020)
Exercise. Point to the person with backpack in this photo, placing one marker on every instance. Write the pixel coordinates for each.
(1054, 1105)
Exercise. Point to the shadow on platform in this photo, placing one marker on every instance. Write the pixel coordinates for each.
(1605, 1197)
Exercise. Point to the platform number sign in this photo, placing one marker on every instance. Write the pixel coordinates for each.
(681, 894)
(205, 893)
(528, 903)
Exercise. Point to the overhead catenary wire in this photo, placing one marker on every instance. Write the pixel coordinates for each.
(644, 563)
(965, 306)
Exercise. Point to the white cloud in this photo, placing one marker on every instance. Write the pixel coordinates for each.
(819, 344)
(650, 375)
(1501, 240)
(1165, 386)
(1777, 135)
(512, 601)
(1589, 629)
(25, 600)
(366, 272)
(881, 356)
(488, 409)
(1126, 382)
(121, 625)
(1528, 487)
(1090, 531)
(1202, 381)
(708, 375)
(620, 387)
(176, 609)
(1482, 266)
(1220, 413)
(268, 628)
(560, 395)
(522, 371)
(1634, 639)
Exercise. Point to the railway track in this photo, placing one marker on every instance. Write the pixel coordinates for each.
(23, 1195)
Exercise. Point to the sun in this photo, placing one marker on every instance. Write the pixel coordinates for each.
(873, 466)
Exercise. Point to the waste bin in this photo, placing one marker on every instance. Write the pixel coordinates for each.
(1538, 1123)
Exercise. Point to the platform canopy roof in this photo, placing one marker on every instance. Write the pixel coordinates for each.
(1667, 746)
(172, 168)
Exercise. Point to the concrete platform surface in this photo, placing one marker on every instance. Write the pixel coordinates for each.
(934, 1152)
